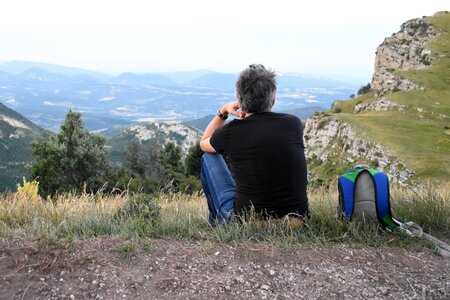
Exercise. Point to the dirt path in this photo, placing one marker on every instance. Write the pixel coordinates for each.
(95, 269)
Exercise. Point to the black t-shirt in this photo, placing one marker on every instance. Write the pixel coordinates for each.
(267, 155)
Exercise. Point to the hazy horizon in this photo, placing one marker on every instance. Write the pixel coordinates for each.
(324, 38)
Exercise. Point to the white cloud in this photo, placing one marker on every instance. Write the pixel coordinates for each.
(106, 99)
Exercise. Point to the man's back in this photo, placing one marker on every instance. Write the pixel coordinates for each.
(267, 155)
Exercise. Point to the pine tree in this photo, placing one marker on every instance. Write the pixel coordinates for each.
(192, 161)
(70, 160)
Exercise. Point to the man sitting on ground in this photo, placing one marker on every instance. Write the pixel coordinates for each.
(265, 150)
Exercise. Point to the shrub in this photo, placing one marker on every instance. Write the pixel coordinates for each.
(140, 206)
(322, 124)
(364, 89)
(29, 190)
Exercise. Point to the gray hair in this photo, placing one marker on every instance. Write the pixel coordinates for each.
(256, 88)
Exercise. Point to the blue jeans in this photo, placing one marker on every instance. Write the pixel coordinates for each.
(218, 186)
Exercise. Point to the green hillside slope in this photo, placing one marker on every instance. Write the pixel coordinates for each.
(16, 135)
(419, 135)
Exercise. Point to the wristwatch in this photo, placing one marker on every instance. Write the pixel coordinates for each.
(222, 116)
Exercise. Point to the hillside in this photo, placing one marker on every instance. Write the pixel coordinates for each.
(160, 132)
(403, 125)
(16, 135)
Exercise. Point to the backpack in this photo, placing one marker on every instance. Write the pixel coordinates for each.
(364, 195)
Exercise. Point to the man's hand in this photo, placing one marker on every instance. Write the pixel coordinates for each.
(232, 109)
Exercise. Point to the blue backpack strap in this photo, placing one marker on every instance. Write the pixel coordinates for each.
(383, 202)
(346, 184)
(346, 189)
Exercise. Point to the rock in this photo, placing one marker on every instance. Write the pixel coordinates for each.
(265, 287)
(240, 279)
(404, 50)
(380, 105)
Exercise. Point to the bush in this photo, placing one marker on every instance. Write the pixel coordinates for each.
(322, 124)
(364, 89)
(139, 206)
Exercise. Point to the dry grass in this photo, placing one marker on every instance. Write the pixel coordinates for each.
(184, 216)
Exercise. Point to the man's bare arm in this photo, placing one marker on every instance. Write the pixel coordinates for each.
(229, 108)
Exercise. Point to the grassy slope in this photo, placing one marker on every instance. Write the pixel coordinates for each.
(421, 139)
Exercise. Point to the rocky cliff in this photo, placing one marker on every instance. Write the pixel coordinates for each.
(333, 147)
(403, 51)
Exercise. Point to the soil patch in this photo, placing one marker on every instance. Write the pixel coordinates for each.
(110, 268)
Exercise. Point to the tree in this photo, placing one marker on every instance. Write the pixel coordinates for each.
(364, 89)
(170, 158)
(192, 161)
(70, 160)
(143, 159)
(151, 152)
(133, 158)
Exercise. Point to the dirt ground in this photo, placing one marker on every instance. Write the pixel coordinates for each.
(167, 269)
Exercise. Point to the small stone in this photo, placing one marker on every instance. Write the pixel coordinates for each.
(272, 272)
(240, 279)
(94, 282)
(265, 287)
(72, 297)
(217, 253)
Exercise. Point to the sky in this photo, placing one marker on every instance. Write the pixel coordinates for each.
(321, 37)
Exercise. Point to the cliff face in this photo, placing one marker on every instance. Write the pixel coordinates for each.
(404, 50)
(334, 144)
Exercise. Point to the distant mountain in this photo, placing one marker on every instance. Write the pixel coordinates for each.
(143, 79)
(16, 67)
(38, 74)
(5, 76)
(200, 123)
(306, 112)
(16, 135)
(184, 77)
(220, 81)
(159, 132)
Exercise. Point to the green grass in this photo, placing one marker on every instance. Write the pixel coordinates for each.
(181, 216)
(419, 138)
(420, 142)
